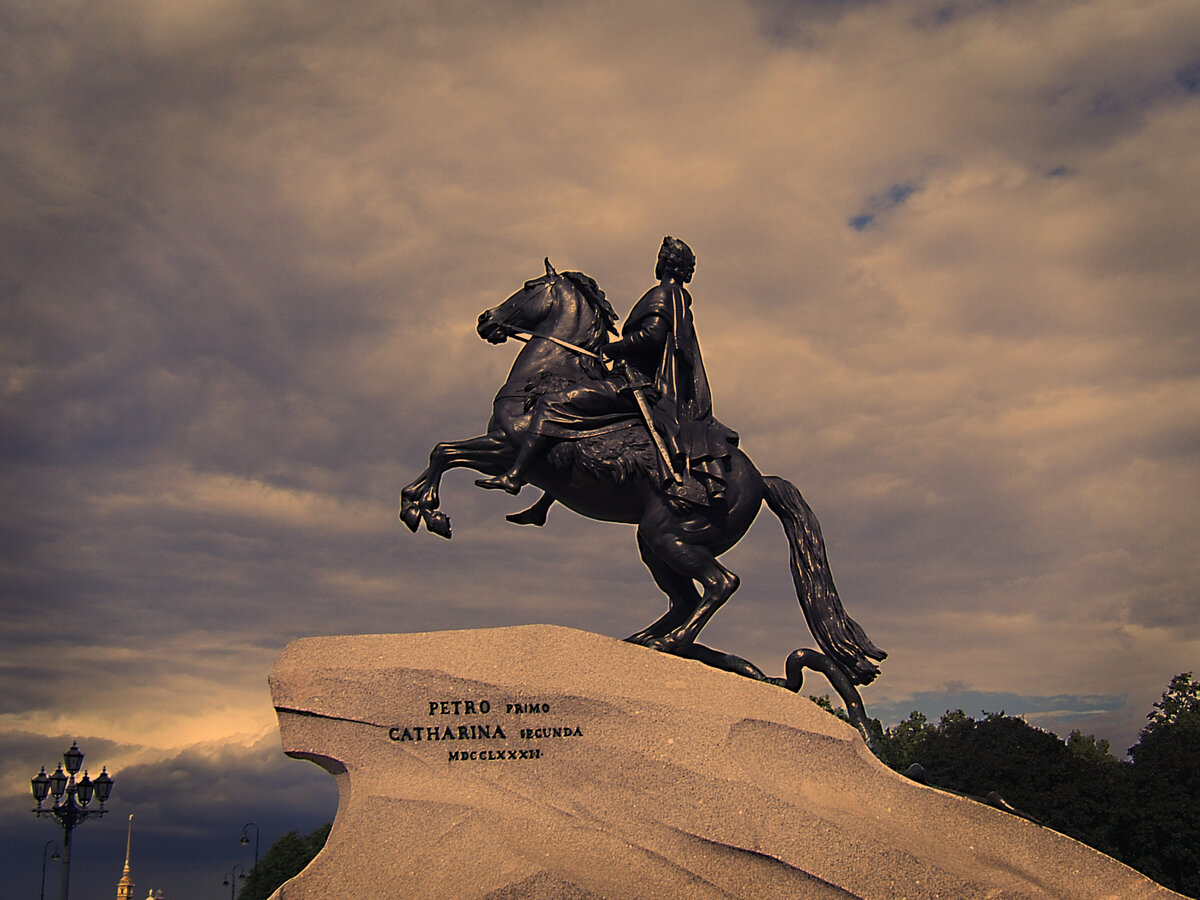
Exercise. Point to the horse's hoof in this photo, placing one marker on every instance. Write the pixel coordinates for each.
(438, 523)
(410, 515)
(652, 642)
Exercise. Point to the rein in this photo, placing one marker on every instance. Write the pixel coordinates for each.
(566, 345)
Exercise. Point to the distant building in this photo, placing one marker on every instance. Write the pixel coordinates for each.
(125, 885)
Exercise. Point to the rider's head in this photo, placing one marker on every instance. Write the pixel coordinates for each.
(675, 260)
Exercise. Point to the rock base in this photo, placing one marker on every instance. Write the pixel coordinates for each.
(541, 762)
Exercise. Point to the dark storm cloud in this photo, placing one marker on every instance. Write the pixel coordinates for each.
(189, 809)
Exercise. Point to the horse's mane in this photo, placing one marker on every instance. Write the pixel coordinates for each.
(606, 316)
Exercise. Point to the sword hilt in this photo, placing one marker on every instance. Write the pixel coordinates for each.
(633, 382)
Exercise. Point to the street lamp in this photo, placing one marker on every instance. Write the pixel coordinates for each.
(71, 801)
(232, 877)
(53, 855)
(246, 841)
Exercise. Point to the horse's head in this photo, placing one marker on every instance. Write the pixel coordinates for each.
(570, 305)
(523, 311)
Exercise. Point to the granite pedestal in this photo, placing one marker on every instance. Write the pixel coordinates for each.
(544, 762)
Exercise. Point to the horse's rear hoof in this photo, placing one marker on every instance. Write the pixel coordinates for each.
(653, 642)
(438, 523)
(410, 515)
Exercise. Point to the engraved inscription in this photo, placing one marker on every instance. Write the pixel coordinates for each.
(484, 731)
(492, 755)
(459, 707)
(521, 709)
(533, 734)
(448, 733)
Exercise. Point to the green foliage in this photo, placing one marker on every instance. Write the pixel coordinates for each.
(283, 860)
(1089, 749)
(826, 704)
(1146, 812)
(1179, 707)
(1032, 769)
(1161, 830)
(898, 746)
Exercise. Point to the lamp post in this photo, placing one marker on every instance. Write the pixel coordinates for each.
(71, 801)
(232, 877)
(53, 855)
(246, 841)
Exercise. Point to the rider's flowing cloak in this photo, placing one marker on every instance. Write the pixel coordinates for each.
(683, 412)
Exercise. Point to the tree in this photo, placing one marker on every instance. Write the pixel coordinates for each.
(898, 746)
(1160, 831)
(283, 860)
(1145, 813)
(826, 704)
(1073, 787)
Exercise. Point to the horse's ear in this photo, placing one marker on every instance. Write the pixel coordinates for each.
(549, 268)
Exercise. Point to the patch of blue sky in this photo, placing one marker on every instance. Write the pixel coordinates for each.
(878, 204)
(1188, 78)
(934, 704)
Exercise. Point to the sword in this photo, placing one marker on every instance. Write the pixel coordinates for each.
(639, 397)
(644, 409)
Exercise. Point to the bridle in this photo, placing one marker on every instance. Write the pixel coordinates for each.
(524, 334)
(505, 323)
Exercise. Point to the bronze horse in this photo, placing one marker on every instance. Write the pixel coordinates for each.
(558, 315)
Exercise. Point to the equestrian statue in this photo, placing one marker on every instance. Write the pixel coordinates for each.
(624, 431)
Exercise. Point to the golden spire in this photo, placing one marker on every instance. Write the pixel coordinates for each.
(125, 885)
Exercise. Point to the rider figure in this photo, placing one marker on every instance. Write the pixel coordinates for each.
(659, 351)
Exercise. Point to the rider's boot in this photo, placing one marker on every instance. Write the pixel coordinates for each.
(512, 480)
(535, 515)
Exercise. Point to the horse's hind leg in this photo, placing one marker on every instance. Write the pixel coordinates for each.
(680, 590)
(694, 562)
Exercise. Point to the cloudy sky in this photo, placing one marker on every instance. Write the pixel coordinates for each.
(946, 284)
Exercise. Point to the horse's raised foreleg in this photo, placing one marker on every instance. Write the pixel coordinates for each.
(680, 590)
(419, 501)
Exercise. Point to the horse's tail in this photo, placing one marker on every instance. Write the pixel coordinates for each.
(839, 636)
